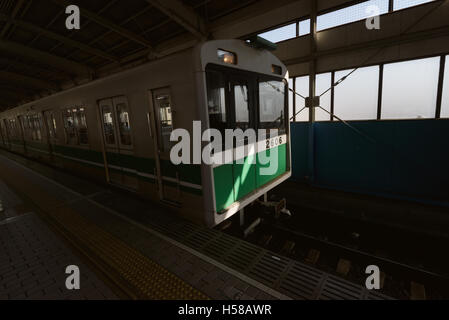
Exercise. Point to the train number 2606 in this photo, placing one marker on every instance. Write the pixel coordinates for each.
(274, 142)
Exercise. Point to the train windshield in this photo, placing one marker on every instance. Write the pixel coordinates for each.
(243, 100)
(272, 105)
(216, 99)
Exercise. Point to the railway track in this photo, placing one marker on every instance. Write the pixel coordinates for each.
(345, 247)
(334, 247)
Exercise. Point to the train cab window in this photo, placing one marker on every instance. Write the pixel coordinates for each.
(108, 124)
(216, 100)
(241, 104)
(124, 124)
(272, 105)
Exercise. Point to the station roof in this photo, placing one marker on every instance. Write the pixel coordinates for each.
(39, 55)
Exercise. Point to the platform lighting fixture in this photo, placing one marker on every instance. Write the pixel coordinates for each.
(227, 56)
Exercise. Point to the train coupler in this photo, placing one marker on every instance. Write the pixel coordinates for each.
(280, 207)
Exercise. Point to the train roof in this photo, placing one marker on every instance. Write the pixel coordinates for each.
(258, 60)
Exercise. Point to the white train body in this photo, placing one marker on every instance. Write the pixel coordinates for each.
(117, 129)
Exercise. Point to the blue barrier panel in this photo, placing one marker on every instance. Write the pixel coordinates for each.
(405, 158)
(299, 132)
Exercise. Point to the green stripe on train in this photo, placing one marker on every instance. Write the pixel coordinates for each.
(37, 145)
(235, 181)
(186, 173)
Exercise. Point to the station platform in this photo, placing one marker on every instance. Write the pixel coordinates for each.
(128, 248)
(33, 263)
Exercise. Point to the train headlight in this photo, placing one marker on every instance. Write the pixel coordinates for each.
(227, 57)
(276, 69)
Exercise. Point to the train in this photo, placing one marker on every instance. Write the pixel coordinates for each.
(117, 129)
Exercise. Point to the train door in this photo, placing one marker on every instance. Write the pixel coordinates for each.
(4, 128)
(2, 135)
(21, 132)
(118, 143)
(50, 125)
(168, 178)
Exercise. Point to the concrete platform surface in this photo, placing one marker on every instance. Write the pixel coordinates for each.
(33, 261)
(146, 250)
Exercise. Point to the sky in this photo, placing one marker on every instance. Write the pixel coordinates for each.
(357, 96)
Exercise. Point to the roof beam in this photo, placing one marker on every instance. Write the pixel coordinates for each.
(13, 14)
(7, 103)
(375, 44)
(14, 96)
(63, 64)
(183, 15)
(18, 89)
(55, 36)
(10, 100)
(28, 81)
(33, 68)
(109, 25)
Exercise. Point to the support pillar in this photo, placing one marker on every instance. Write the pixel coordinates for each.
(312, 91)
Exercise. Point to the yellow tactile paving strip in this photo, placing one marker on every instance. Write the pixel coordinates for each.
(145, 278)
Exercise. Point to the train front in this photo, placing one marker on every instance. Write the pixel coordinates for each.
(244, 88)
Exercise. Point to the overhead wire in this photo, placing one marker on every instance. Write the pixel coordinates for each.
(369, 58)
(383, 48)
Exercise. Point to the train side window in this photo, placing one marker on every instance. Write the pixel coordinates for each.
(216, 100)
(28, 127)
(272, 105)
(6, 128)
(54, 126)
(108, 124)
(13, 128)
(124, 124)
(81, 125)
(39, 126)
(70, 127)
(51, 124)
(241, 102)
(165, 119)
(36, 127)
(25, 122)
(9, 128)
(75, 126)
